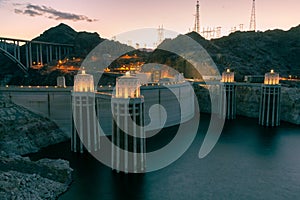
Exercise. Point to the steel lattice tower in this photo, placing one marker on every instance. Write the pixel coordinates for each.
(253, 18)
(197, 19)
(161, 36)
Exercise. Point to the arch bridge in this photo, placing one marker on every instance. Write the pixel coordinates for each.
(26, 53)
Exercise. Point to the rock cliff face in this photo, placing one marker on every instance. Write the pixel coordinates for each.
(21, 178)
(247, 101)
(290, 105)
(22, 131)
(16, 185)
(248, 98)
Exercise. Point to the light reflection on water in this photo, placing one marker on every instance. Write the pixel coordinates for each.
(248, 162)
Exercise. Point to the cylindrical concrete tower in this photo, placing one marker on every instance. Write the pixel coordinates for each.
(85, 129)
(228, 95)
(128, 135)
(269, 110)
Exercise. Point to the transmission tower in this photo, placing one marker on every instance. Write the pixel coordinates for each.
(218, 32)
(253, 20)
(211, 33)
(241, 27)
(233, 29)
(129, 42)
(197, 19)
(160, 32)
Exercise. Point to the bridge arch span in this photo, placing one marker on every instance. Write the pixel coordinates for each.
(14, 59)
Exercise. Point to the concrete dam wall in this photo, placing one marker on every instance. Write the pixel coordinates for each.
(176, 100)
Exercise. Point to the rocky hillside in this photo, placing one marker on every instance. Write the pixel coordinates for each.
(256, 53)
(22, 131)
(83, 42)
(246, 52)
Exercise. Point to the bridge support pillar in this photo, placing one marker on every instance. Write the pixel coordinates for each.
(30, 55)
(37, 54)
(41, 54)
(18, 51)
(47, 54)
(59, 53)
(27, 55)
(15, 49)
(50, 55)
(56, 53)
(5, 45)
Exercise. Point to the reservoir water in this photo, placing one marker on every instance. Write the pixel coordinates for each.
(248, 162)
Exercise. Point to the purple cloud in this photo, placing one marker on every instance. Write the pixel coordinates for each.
(36, 10)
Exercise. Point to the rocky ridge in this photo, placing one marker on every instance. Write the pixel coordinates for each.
(247, 53)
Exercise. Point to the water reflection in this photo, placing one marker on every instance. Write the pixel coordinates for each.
(267, 140)
(248, 162)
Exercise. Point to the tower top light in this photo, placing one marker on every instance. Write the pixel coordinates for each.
(227, 76)
(83, 82)
(271, 78)
(128, 86)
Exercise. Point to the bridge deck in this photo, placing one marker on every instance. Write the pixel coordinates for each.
(35, 42)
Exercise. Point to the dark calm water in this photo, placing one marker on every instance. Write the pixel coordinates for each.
(248, 162)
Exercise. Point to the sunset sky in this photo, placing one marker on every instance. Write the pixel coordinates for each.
(27, 19)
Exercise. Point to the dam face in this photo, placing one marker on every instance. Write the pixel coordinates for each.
(177, 102)
(53, 103)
